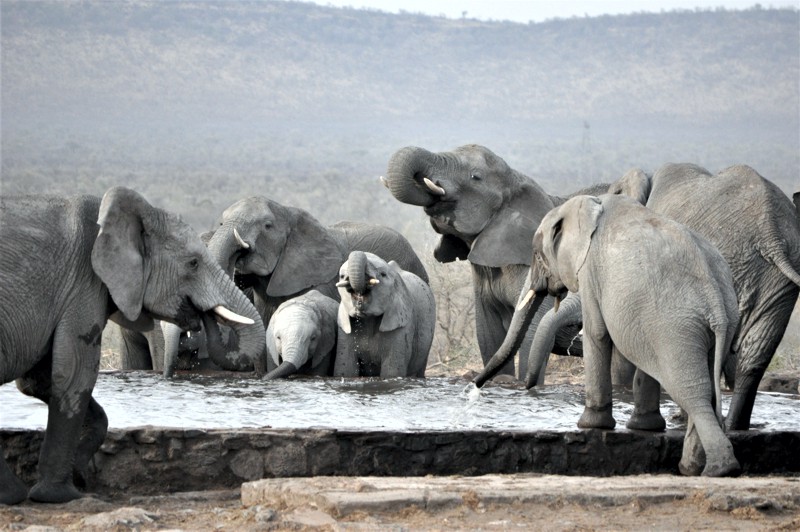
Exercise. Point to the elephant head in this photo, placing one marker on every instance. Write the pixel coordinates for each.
(485, 211)
(155, 266)
(635, 183)
(561, 245)
(302, 331)
(286, 246)
(371, 287)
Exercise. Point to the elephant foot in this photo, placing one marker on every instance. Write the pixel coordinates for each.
(54, 492)
(14, 492)
(690, 468)
(652, 421)
(597, 418)
(726, 468)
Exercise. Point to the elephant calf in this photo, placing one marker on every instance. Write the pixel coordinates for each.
(651, 288)
(386, 319)
(301, 336)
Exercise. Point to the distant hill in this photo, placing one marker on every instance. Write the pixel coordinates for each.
(158, 93)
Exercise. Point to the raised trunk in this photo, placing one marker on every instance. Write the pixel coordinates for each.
(357, 271)
(223, 246)
(405, 175)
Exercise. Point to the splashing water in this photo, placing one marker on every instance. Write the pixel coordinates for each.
(572, 342)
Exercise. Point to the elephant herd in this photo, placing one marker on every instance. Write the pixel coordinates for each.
(671, 280)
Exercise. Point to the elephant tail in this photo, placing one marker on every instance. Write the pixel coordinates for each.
(723, 338)
(787, 269)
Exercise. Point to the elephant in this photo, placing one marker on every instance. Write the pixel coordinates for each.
(301, 336)
(386, 319)
(67, 265)
(654, 290)
(755, 227)
(280, 252)
(486, 212)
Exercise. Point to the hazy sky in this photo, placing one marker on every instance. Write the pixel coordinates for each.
(539, 10)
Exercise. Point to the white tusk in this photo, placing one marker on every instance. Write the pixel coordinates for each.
(229, 315)
(556, 304)
(239, 239)
(436, 189)
(385, 182)
(525, 300)
(373, 282)
(342, 284)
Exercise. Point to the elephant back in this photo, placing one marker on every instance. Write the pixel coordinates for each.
(382, 241)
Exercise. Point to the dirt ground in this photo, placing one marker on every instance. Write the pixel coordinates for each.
(694, 507)
(651, 502)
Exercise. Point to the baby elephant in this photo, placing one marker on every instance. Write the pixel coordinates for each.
(653, 289)
(301, 336)
(386, 319)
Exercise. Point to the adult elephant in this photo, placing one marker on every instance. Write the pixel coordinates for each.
(486, 212)
(756, 228)
(652, 289)
(281, 252)
(66, 266)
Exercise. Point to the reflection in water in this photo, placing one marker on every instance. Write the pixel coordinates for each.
(134, 399)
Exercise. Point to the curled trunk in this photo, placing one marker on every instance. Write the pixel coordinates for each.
(406, 173)
(282, 371)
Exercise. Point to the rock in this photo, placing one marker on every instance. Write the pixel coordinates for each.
(310, 518)
(128, 516)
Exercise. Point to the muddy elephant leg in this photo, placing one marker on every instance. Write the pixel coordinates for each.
(12, 489)
(74, 363)
(646, 404)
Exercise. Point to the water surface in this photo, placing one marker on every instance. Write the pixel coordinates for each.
(133, 399)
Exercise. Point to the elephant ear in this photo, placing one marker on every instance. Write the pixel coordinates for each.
(508, 237)
(343, 319)
(398, 314)
(635, 183)
(327, 341)
(450, 248)
(310, 257)
(118, 253)
(572, 239)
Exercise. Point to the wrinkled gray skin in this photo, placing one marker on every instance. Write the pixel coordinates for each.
(659, 293)
(755, 227)
(282, 252)
(66, 266)
(386, 319)
(301, 336)
(486, 213)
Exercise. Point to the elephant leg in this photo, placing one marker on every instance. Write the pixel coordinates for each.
(622, 370)
(345, 364)
(597, 363)
(693, 457)
(491, 333)
(68, 387)
(719, 458)
(646, 404)
(757, 344)
(134, 349)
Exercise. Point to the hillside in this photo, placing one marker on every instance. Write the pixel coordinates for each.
(199, 103)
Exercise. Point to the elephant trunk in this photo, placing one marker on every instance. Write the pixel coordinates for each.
(406, 173)
(284, 370)
(224, 247)
(245, 348)
(357, 271)
(172, 340)
(520, 322)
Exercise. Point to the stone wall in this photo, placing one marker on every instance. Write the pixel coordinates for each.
(151, 460)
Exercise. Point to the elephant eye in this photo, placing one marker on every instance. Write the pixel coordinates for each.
(476, 177)
(193, 264)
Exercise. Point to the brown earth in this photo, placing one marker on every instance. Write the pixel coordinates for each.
(491, 502)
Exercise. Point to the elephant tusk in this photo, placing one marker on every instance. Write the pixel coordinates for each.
(373, 282)
(525, 300)
(239, 239)
(385, 182)
(556, 304)
(229, 315)
(342, 284)
(433, 187)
